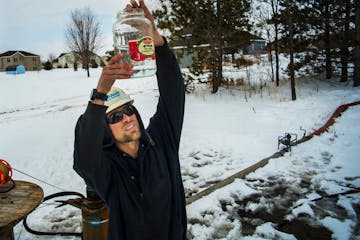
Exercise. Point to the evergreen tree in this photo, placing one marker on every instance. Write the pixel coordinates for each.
(327, 31)
(48, 65)
(94, 64)
(357, 45)
(344, 25)
(220, 25)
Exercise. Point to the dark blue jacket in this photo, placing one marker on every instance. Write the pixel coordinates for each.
(152, 208)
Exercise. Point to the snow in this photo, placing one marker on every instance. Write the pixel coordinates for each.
(342, 229)
(223, 133)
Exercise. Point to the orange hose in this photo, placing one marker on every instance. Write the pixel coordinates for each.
(336, 114)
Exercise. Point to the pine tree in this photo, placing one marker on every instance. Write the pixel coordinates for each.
(329, 23)
(221, 25)
(48, 65)
(357, 45)
(345, 41)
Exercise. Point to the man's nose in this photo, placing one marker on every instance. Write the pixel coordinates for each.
(126, 118)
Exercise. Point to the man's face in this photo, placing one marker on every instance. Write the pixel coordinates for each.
(126, 130)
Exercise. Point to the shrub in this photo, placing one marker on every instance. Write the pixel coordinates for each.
(243, 62)
(48, 66)
(94, 64)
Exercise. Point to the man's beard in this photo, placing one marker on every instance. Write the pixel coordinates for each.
(130, 137)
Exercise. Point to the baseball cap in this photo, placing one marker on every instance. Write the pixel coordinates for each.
(116, 98)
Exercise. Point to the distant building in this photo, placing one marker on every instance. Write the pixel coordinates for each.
(257, 46)
(30, 61)
(70, 58)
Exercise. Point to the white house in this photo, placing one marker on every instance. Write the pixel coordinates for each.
(69, 59)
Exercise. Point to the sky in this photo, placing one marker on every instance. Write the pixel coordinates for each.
(39, 26)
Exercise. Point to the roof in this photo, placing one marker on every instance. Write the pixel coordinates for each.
(73, 53)
(10, 53)
(187, 33)
(68, 53)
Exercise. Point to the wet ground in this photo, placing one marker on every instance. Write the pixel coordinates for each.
(276, 200)
(280, 196)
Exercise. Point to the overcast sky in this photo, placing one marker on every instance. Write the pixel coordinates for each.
(39, 26)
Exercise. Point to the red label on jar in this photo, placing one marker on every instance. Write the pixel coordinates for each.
(141, 49)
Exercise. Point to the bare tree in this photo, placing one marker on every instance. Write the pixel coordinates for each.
(275, 22)
(52, 57)
(83, 35)
(263, 15)
(270, 22)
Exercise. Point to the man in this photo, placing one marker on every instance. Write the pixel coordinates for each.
(136, 171)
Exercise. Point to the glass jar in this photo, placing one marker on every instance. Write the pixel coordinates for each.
(133, 37)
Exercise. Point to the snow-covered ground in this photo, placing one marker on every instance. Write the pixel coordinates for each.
(223, 133)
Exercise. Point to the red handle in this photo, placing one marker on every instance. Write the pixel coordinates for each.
(5, 172)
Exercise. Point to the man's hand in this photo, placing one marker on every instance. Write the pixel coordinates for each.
(158, 40)
(112, 71)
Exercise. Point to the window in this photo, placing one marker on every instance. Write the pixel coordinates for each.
(34, 59)
(8, 60)
(15, 59)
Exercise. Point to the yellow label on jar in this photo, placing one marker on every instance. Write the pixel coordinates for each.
(146, 46)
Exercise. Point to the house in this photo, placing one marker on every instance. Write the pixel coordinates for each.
(257, 46)
(252, 45)
(14, 58)
(69, 59)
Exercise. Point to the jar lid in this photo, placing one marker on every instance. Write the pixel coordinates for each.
(127, 13)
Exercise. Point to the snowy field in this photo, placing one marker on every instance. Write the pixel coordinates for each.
(223, 133)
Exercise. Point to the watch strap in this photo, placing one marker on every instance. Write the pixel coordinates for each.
(97, 95)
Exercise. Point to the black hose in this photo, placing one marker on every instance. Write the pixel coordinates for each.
(55, 195)
(8, 188)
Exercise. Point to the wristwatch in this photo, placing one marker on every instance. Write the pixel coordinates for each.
(97, 95)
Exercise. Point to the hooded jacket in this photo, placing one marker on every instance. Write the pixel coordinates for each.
(154, 206)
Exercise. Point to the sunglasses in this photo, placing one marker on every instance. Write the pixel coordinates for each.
(118, 116)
